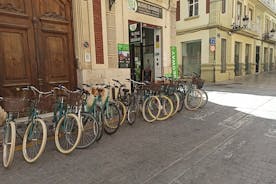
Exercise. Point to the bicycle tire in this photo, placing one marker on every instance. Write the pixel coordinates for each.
(98, 114)
(111, 123)
(123, 111)
(145, 108)
(60, 128)
(181, 101)
(193, 100)
(8, 153)
(176, 102)
(204, 98)
(165, 113)
(34, 131)
(90, 130)
(132, 111)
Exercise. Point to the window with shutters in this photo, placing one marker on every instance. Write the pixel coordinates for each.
(223, 55)
(207, 6)
(223, 8)
(177, 10)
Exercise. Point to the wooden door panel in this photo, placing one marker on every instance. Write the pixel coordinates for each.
(13, 6)
(36, 44)
(55, 59)
(14, 55)
(15, 60)
(56, 43)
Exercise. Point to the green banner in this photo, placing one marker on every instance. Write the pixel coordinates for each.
(174, 62)
(123, 55)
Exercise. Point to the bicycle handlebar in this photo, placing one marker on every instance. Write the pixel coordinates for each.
(35, 90)
(136, 82)
(61, 87)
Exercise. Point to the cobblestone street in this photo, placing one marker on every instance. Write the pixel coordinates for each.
(232, 140)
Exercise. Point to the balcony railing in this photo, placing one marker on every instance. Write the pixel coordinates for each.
(254, 27)
(270, 36)
(270, 4)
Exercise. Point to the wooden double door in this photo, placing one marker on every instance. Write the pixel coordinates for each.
(36, 45)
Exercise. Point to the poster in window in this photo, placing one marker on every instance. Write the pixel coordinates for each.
(123, 55)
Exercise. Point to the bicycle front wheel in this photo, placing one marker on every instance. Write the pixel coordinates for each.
(90, 130)
(68, 133)
(111, 118)
(9, 137)
(34, 140)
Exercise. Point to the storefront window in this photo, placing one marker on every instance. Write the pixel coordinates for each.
(191, 57)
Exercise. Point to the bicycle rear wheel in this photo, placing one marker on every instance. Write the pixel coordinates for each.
(68, 133)
(123, 111)
(204, 98)
(151, 109)
(193, 100)
(167, 108)
(90, 130)
(111, 118)
(181, 101)
(132, 111)
(176, 102)
(9, 137)
(34, 140)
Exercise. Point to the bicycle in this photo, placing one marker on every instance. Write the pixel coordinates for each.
(142, 99)
(66, 123)
(13, 106)
(35, 136)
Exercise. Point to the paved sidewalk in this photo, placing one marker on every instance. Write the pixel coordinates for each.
(226, 142)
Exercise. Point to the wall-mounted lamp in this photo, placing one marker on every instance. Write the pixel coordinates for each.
(111, 2)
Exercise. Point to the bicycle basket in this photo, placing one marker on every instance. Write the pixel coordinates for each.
(15, 104)
(3, 116)
(198, 82)
(73, 99)
(46, 104)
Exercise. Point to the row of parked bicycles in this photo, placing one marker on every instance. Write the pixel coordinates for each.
(80, 117)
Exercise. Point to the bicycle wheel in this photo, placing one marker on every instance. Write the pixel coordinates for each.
(181, 101)
(123, 111)
(98, 114)
(132, 111)
(9, 137)
(34, 140)
(166, 108)
(68, 133)
(151, 109)
(204, 98)
(176, 101)
(193, 100)
(111, 118)
(90, 130)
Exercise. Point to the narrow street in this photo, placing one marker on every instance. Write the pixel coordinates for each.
(232, 140)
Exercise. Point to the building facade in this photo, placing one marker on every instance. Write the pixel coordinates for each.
(224, 39)
(124, 37)
(70, 42)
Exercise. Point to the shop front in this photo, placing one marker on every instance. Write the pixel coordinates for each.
(136, 37)
(145, 51)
